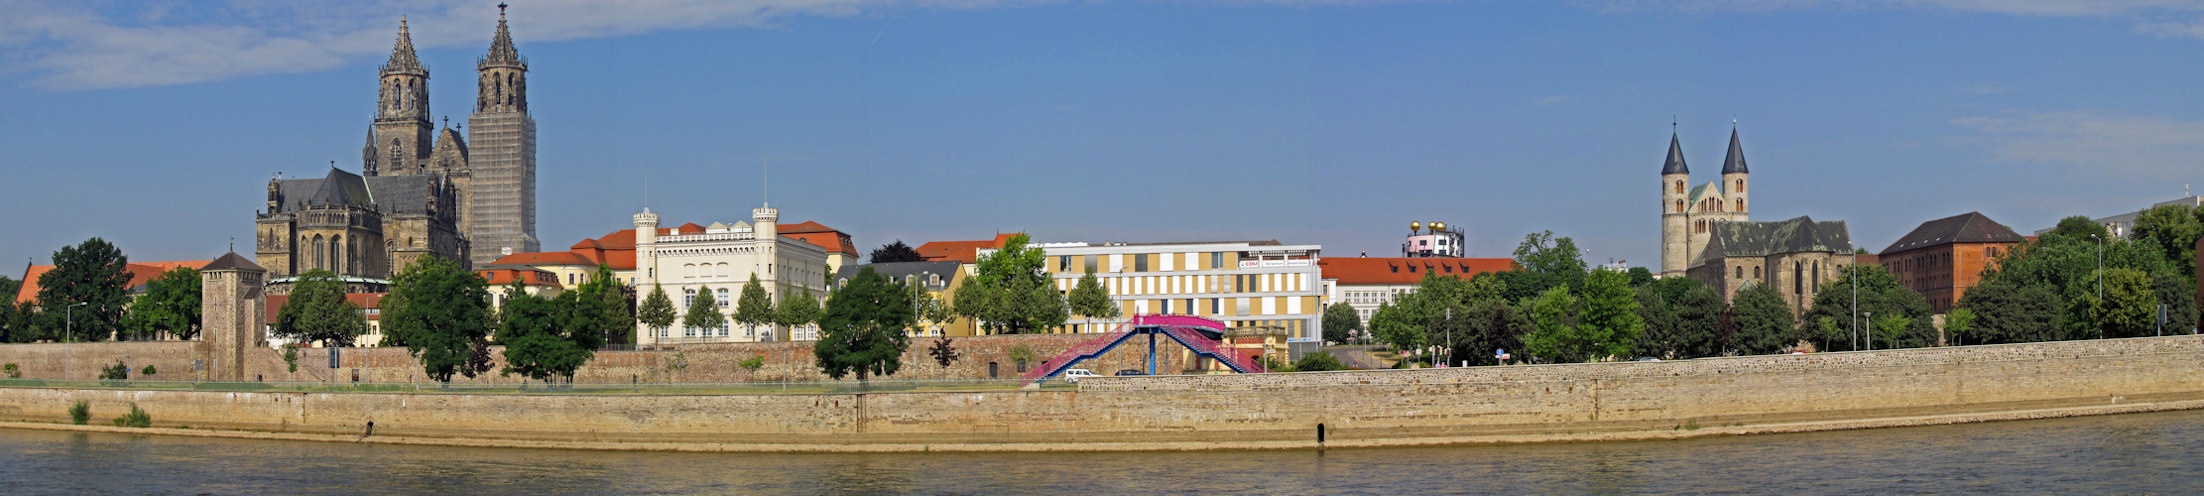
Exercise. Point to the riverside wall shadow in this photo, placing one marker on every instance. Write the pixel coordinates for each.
(1632, 400)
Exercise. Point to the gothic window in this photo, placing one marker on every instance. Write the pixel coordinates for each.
(336, 254)
(320, 251)
(1817, 273)
(1798, 277)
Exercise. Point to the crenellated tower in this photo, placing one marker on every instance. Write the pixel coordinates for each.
(400, 140)
(501, 217)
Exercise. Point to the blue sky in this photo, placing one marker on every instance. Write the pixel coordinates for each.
(156, 124)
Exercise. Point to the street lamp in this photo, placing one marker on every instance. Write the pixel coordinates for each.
(1870, 331)
(2100, 267)
(69, 332)
(1855, 277)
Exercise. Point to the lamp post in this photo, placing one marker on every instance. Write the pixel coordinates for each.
(1870, 331)
(69, 332)
(1855, 277)
(2100, 267)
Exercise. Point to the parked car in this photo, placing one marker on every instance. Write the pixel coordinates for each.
(1073, 375)
(1131, 372)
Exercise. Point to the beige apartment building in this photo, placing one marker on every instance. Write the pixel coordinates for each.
(1240, 283)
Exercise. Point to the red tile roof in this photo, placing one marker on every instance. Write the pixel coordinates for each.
(617, 249)
(363, 300)
(500, 277)
(960, 251)
(140, 273)
(545, 258)
(1407, 270)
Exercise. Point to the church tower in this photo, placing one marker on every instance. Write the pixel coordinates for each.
(501, 212)
(1675, 216)
(402, 130)
(1733, 178)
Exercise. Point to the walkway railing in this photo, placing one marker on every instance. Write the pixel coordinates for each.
(790, 387)
(1200, 343)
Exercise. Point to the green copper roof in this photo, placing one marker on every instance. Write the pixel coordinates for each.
(1760, 239)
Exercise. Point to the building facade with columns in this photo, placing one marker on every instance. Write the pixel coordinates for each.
(716, 262)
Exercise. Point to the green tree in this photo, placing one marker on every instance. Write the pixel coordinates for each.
(2178, 294)
(1555, 335)
(170, 304)
(317, 311)
(895, 252)
(797, 309)
(2130, 305)
(1013, 294)
(2008, 311)
(2173, 230)
(1399, 326)
(944, 352)
(10, 330)
(2078, 228)
(754, 308)
(1609, 316)
(1891, 331)
(1764, 323)
(1490, 325)
(1090, 300)
(1340, 322)
(1699, 317)
(1957, 322)
(862, 331)
(704, 313)
(1880, 294)
(1320, 361)
(441, 315)
(1659, 339)
(1640, 276)
(95, 274)
(1543, 253)
(618, 312)
(656, 312)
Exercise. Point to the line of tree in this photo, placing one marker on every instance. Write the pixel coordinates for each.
(2049, 289)
(1012, 294)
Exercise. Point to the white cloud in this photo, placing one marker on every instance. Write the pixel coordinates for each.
(83, 45)
(2163, 18)
(2097, 143)
(1985, 89)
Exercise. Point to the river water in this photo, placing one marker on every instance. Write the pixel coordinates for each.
(2154, 453)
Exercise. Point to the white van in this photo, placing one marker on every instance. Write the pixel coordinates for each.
(1074, 375)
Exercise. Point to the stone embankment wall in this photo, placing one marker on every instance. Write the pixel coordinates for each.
(1373, 408)
(784, 361)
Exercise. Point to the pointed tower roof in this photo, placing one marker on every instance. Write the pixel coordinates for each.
(232, 261)
(1735, 163)
(502, 53)
(402, 60)
(1675, 164)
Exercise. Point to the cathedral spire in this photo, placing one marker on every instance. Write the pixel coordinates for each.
(502, 53)
(1735, 163)
(402, 60)
(1675, 163)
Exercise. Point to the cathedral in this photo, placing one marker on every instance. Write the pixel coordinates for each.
(1688, 213)
(421, 191)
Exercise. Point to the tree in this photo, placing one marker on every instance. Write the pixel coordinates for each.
(1957, 322)
(796, 310)
(754, 308)
(1490, 325)
(1640, 276)
(944, 351)
(1699, 311)
(862, 331)
(2009, 312)
(1764, 323)
(1340, 322)
(1891, 331)
(928, 307)
(2077, 227)
(618, 317)
(95, 274)
(656, 312)
(1609, 317)
(1089, 299)
(317, 311)
(170, 304)
(1558, 259)
(1554, 333)
(895, 252)
(1398, 325)
(1013, 295)
(2130, 305)
(10, 330)
(441, 315)
(2173, 230)
(1659, 339)
(1320, 361)
(1880, 294)
(2178, 294)
(704, 312)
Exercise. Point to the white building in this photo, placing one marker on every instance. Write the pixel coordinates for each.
(716, 263)
(1366, 283)
(1239, 283)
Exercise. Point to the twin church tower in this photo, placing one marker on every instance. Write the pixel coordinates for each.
(1689, 212)
(422, 190)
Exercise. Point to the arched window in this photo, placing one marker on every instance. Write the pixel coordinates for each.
(1679, 187)
(321, 251)
(1817, 274)
(1756, 273)
(1679, 206)
(1740, 272)
(336, 254)
(1740, 185)
(1798, 275)
(1740, 204)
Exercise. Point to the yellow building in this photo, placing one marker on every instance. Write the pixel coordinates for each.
(1239, 283)
(941, 279)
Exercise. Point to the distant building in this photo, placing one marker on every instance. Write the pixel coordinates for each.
(1239, 283)
(1689, 213)
(371, 307)
(1793, 256)
(140, 274)
(960, 251)
(717, 262)
(1368, 283)
(1943, 257)
(2123, 225)
(1437, 241)
(941, 280)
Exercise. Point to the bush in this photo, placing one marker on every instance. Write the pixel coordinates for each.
(115, 372)
(1321, 361)
(753, 363)
(148, 370)
(13, 371)
(80, 412)
(136, 418)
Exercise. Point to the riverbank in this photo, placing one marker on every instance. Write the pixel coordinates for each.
(1524, 404)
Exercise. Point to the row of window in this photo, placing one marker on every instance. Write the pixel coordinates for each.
(1198, 284)
(1091, 263)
